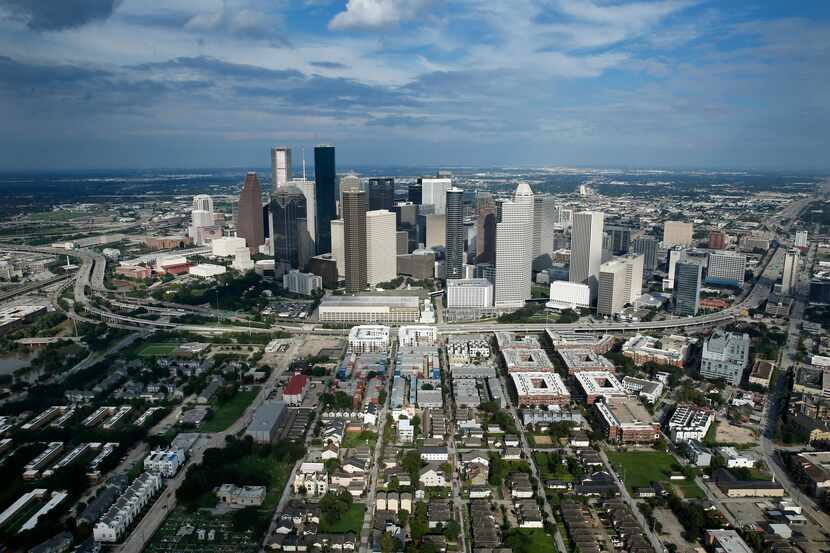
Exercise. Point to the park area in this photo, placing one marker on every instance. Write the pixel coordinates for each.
(529, 540)
(350, 521)
(639, 469)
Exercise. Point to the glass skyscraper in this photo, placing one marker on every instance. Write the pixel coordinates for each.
(455, 233)
(687, 288)
(288, 210)
(325, 178)
(381, 193)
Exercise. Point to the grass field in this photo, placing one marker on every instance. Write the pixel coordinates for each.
(352, 521)
(360, 439)
(529, 540)
(225, 414)
(549, 472)
(278, 474)
(157, 349)
(640, 468)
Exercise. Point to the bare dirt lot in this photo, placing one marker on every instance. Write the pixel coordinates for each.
(672, 531)
(313, 345)
(730, 434)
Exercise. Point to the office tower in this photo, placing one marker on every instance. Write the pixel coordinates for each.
(717, 240)
(726, 269)
(485, 228)
(381, 250)
(290, 230)
(435, 235)
(415, 193)
(514, 249)
(586, 249)
(610, 294)
(249, 225)
(544, 217)
(280, 167)
(789, 278)
(620, 283)
(686, 294)
(801, 239)
(473, 293)
(381, 193)
(675, 255)
(349, 182)
(308, 188)
(354, 239)
(677, 233)
(201, 217)
(402, 242)
(470, 229)
(325, 176)
(485, 270)
(564, 216)
(454, 238)
(620, 237)
(647, 247)
(406, 214)
(338, 247)
(434, 192)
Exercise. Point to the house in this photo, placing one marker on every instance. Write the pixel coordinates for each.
(331, 451)
(520, 486)
(579, 439)
(242, 496)
(431, 476)
(315, 484)
(439, 513)
(512, 454)
(353, 465)
(480, 492)
(470, 457)
(511, 440)
(435, 453)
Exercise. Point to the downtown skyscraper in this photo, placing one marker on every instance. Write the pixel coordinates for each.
(514, 249)
(381, 193)
(289, 232)
(455, 233)
(280, 167)
(354, 240)
(686, 293)
(485, 228)
(325, 176)
(586, 249)
(250, 224)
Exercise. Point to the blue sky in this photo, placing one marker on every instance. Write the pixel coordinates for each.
(215, 83)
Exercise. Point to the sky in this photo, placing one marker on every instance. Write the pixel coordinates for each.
(105, 84)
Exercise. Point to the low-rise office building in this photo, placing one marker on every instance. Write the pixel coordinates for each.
(595, 385)
(690, 422)
(540, 388)
(369, 338)
(580, 360)
(625, 421)
(370, 309)
(669, 350)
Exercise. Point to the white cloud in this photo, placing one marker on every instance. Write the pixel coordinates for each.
(372, 14)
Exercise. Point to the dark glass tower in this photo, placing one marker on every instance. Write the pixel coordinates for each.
(250, 220)
(455, 233)
(288, 208)
(485, 228)
(354, 240)
(381, 193)
(415, 194)
(325, 179)
(647, 246)
(686, 288)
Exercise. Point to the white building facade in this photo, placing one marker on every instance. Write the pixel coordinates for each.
(381, 249)
(514, 250)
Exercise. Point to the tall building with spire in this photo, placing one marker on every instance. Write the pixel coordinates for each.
(514, 249)
(354, 240)
(325, 176)
(250, 220)
(280, 167)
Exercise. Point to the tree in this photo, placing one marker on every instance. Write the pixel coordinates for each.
(419, 524)
(334, 505)
(388, 543)
(452, 530)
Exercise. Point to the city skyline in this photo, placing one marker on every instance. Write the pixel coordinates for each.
(675, 84)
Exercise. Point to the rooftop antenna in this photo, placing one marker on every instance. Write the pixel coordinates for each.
(302, 149)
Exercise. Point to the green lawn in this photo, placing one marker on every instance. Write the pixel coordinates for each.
(548, 472)
(641, 468)
(352, 521)
(158, 349)
(360, 439)
(225, 414)
(689, 489)
(529, 540)
(278, 474)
